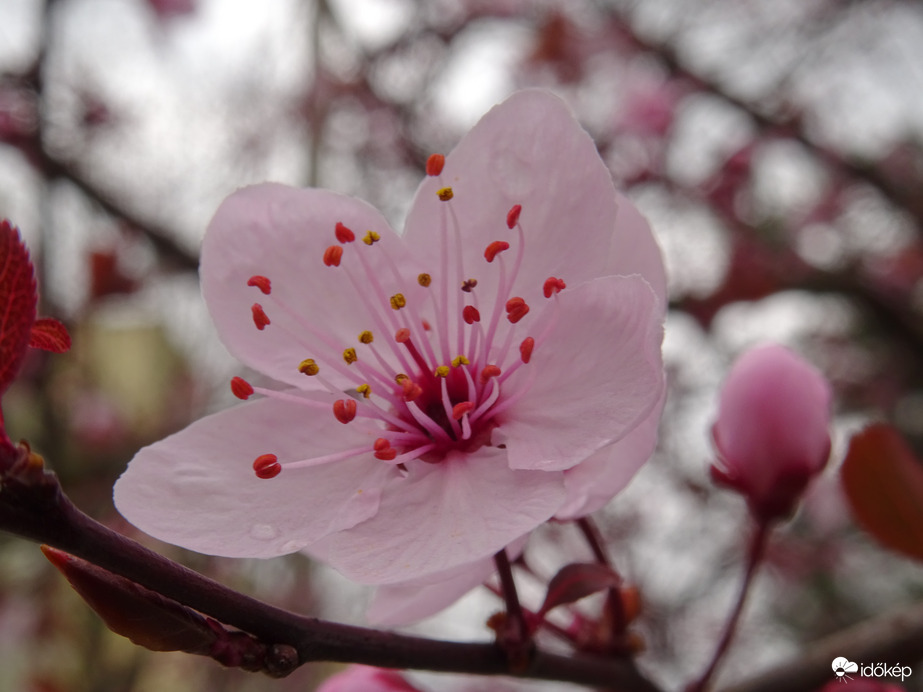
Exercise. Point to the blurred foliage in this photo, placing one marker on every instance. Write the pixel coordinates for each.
(777, 149)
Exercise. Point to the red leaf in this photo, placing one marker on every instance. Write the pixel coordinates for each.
(577, 580)
(49, 335)
(18, 297)
(143, 616)
(883, 482)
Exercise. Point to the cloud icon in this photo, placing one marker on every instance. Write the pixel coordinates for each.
(841, 666)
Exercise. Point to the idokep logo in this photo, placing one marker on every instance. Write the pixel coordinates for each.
(843, 666)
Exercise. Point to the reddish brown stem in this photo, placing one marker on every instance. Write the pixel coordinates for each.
(754, 557)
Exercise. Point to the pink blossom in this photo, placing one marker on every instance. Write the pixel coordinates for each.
(437, 405)
(366, 679)
(772, 433)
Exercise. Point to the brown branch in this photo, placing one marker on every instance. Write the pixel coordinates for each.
(33, 505)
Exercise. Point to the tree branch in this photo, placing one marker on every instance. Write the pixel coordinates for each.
(33, 505)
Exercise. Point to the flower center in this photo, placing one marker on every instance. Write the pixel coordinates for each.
(424, 388)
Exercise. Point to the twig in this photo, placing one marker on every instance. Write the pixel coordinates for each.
(32, 505)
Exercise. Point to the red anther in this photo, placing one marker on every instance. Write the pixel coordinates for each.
(411, 390)
(512, 217)
(426, 326)
(470, 314)
(381, 444)
(241, 388)
(344, 410)
(434, 164)
(343, 234)
(386, 454)
(402, 335)
(333, 255)
(494, 249)
(553, 285)
(267, 466)
(260, 319)
(516, 309)
(488, 372)
(525, 349)
(459, 410)
(261, 282)
(469, 285)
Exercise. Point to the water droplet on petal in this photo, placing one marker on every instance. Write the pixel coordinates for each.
(263, 532)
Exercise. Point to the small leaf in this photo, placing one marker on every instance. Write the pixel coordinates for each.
(18, 298)
(883, 482)
(143, 616)
(577, 580)
(49, 335)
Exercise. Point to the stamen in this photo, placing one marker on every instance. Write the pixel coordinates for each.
(434, 164)
(512, 217)
(260, 319)
(267, 466)
(366, 337)
(410, 389)
(525, 349)
(427, 422)
(344, 410)
(516, 309)
(371, 238)
(365, 390)
(383, 449)
(460, 360)
(442, 371)
(261, 282)
(309, 367)
(470, 314)
(461, 409)
(488, 372)
(241, 388)
(344, 234)
(398, 301)
(349, 355)
(445, 194)
(333, 255)
(424, 279)
(494, 249)
(553, 285)
(468, 285)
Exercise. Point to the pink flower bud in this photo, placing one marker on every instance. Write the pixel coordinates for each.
(366, 679)
(772, 433)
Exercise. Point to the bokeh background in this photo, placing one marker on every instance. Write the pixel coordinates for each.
(776, 147)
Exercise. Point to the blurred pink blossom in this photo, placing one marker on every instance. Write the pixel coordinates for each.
(501, 363)
(172, 8)
(772, 434)
(366, 679)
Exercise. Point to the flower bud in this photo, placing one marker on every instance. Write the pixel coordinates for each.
(772, 433)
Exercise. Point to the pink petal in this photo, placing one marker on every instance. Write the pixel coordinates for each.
(281, 233)
(197, 488)
(407, 602)
(634, 249)
(599, 375)
(443, 515)
(593, 483)
(528, 150)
